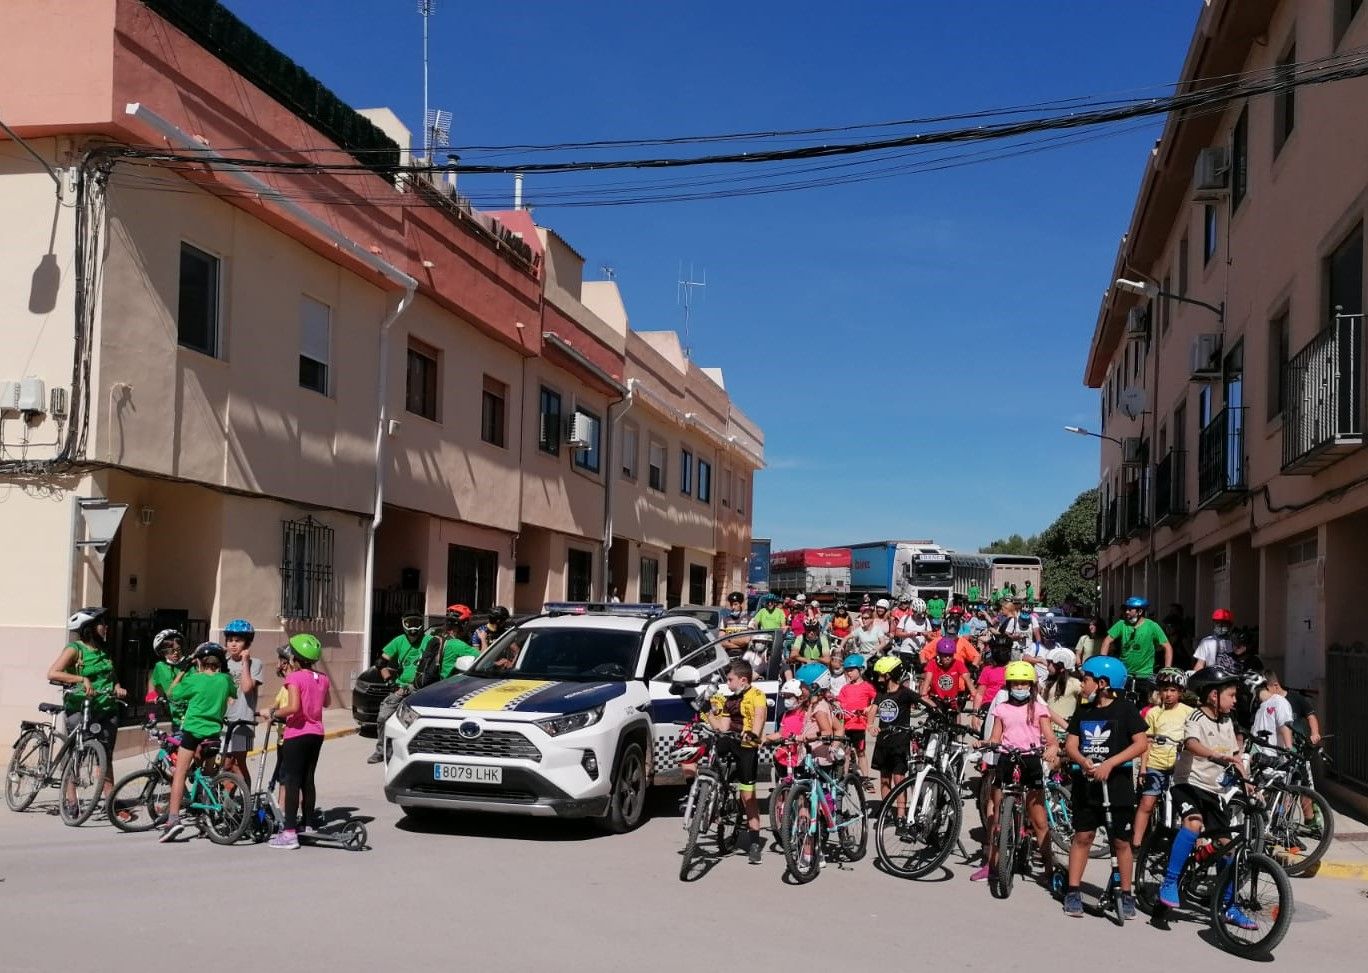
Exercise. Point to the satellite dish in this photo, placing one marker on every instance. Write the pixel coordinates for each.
(1133, 402)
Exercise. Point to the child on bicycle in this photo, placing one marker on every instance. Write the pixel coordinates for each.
(1105, 735)
(743, 713)
(205, 692)
(169, 645)
(1020, 722)
(1164, 723)
(892, 710)
(1210, 749)
(855, 698)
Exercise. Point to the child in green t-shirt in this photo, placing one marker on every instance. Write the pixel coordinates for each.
(205, 692)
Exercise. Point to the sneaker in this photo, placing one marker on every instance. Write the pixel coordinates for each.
(757, 848)
(1073, 904)
(980, 874)
(173, 830)
(1235, 916)
(375, 758)
(286, 839)
(1125, 904)
(1168, 894)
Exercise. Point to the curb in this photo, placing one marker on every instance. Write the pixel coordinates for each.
(1349, 870)
(327, 735)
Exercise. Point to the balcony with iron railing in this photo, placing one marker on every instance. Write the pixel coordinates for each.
(1222, 470)
(1170, 487)
(1134, 507)
(1106, 523)
(1323, 414)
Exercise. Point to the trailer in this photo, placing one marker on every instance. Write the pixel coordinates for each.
(811, 571)
(758, 567)
(901, 569)
(994, 573)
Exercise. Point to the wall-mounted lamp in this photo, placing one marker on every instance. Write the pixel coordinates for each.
(394, 425)
(145, 515)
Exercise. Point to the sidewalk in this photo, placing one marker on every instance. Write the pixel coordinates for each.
(1347, 856)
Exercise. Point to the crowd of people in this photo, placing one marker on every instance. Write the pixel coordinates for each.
(1129, 724)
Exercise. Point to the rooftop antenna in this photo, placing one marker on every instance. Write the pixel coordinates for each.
(684, 296)
(436, 131)
(609, 271)
(426, 8)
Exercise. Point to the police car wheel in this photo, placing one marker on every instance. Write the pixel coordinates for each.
(627, 805)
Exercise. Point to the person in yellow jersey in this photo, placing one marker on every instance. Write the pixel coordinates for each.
(1164, 723)
(741, 710)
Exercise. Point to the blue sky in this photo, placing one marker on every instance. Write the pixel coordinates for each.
(910, 346)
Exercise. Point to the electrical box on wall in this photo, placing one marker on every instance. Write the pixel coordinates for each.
(9, 396)
(32, 395)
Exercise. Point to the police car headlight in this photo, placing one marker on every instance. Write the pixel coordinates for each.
(557, 725)
(405, 714)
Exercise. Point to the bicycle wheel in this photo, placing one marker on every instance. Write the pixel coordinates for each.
(1258, 887)
(1290, 837)
(227, 818)
(852, 819)
(803, 835)
(1060, 814)
(82, 781)
(1008, 830)
(730, 818)
(778, 800)
(1151, 862)
(920, 842)
(29, 766)
(140, 801)
(702, 797)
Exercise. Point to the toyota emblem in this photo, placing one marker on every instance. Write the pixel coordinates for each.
(470, 729)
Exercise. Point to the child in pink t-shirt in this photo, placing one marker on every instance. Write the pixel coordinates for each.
(788, 755)
(308, 696)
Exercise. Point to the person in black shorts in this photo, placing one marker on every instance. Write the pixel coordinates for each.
(1105, 736)
(892, 707)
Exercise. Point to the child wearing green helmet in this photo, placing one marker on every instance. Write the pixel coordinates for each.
(303, 737)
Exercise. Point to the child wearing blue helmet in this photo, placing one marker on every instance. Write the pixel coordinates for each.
(855, 698)
(1105, 735)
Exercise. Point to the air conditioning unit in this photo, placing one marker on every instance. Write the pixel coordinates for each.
(1133, 451)
(1206, 356)
(1137, 322)
(577, 431)
(1211, 178)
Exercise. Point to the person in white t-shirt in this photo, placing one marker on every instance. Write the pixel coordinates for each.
(1272, 713)
(912, 629)
(1216, 650)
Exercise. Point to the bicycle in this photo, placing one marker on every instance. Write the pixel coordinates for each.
(1229, 870)
(919, 821)
(76, 768)
(1279, 774)
(713, 803)
(818, 803)
(140, 800)
(215, 800)
(1011, 834)
(1059, 816)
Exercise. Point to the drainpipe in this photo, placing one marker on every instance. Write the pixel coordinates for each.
(610, 482)
(381, 432)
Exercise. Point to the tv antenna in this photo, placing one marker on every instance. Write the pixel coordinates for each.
(426, 8)
(609, 272)
(437, 129)
(684, 296)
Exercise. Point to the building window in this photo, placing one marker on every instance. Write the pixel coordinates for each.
(549, 421)
(197, 307)
(420, 386)
(725, 491)
(698, 584)
(1210, 233)
(1344, 275)
(705, 481)
(630, 450)
(1345, 12)
(315, 339)
(650, 579)
(656, 472)
(587, 457)
(685, 472)
(1165, 306)
(1284, 99)
(306, 569)
(579, 575)
(471, 576)
(1183, 266)
(1278, 348)
(493, 406)
(740, 494)
(1239, 160)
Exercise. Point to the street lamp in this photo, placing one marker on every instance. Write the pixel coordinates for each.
(1080, 431)
(1149, 289)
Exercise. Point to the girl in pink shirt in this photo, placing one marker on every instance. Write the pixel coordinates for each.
(303, 713)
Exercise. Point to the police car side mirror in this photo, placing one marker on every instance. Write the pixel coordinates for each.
(685, 677)
(464, 663)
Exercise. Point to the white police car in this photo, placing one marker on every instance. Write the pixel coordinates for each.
(573, 713)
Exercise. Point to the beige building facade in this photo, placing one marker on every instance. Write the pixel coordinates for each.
(1232, 387)
(316, 401)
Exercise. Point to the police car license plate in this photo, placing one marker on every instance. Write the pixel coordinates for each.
(467, 773)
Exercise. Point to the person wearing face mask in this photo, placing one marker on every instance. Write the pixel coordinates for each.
(789, 730)
(1020, 722)
(1216, 650)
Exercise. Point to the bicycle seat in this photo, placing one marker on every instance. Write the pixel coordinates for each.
(50, 707)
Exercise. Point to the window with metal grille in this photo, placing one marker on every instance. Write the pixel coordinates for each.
(306, 569)
(650, 579)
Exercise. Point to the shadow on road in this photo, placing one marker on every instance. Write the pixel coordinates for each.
(473, 824)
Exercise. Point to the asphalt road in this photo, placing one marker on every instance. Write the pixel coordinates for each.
(499, 894)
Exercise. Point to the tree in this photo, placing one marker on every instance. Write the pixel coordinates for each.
(1065, 547)
(1016, 544)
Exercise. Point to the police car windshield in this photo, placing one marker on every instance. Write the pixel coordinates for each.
(567, 654)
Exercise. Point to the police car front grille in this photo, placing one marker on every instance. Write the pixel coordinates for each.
(505, 744)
